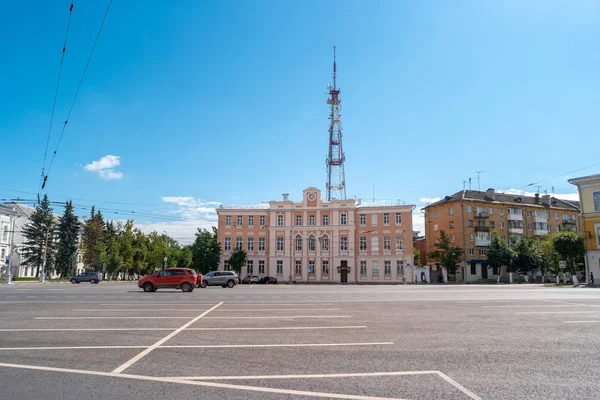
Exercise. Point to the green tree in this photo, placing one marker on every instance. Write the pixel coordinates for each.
(40, 228)
(140, 253)
(549, 257)
(417, 257)
(112, 257)
(206, 251)
(238, 260)
(445, 254)
(527, 255)
(184, 257)
(500, 253)
(93, 240)
(570, 247)
(68, 241)
(127, 250)
(157, 249)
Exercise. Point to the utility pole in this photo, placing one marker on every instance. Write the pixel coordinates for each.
(166, 249)
(11, 249)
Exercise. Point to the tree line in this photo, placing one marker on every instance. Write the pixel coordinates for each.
(116, 248)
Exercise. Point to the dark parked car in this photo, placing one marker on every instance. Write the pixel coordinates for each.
(91, 277)
(267, 280)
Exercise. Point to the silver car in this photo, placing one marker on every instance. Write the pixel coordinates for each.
(226, 279)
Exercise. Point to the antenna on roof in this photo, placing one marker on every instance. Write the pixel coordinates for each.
(479, 180)
(469, 183)
(552, 191)
(464, 185)
(538, 191)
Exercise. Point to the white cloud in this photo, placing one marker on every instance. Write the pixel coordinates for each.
(426, 200)
(105, 167)
(419, 223)
(511, 191)
(562, 196)
(183, 231)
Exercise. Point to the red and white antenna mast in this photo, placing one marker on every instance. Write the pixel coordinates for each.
(336, 182)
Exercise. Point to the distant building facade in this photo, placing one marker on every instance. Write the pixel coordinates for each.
(341, 241)
(469, 217)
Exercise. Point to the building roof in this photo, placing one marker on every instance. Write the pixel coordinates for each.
(474, 195)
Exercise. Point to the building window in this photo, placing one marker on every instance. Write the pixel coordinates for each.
(363, 219)
(386, 218)
(387, 243)
(343, 219)
(298, 243)
(325, 220)
(374, 244)
(298, 220)
(400, 268)
(473, 269)
(549, 228)
(469, 209)
(529, 213)
(491, 211)
(596, 201)
(538, 213)
(557, 228)
(262, 221)
(249, 267)
(399, 243)
(435, 227)
(261, 266)
(565, 217)
(469, 222)
(492, 224)
(452, 238)
(501, 211)
(574, 218)
(373, 219)
(311, 243)
(343, 243)
(228, 220)
(279, 267)
(481, 224)
(501, 225)
(261, 244)
(280, 220)
(387, 268)
(375, 269)
(363, 268)
(471, 252)
(325, 268)
(547, 215)
(279, 244)
(251, 220)
(298, 270)
(250, 244)
(471, 237)
(226, 265)
(435, 214)
(227, 244)
(451, 224)
(240, 221)
(311, 220)
(238, 244)
(398, 218)
(363, 243)
(482, 252)
(556, 216)
(451, 211)
(311, 268)
(325, 243)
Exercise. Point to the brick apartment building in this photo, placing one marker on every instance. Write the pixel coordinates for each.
(342, 241)
(469, 217)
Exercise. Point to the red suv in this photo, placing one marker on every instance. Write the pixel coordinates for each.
(176, 278)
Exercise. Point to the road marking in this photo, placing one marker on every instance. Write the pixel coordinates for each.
(31, 297)
(557, 312)
(70, 347)
(117, 303)
(458, 386)
(582, 322)
(278, 309)
(133, 317)
(132, 361)
(82, 329)
(240, 346)
(309, 376)
(277, 328)
(285, 317)
(574, 304)
(137, 309)
(533, 306)
(198, 383)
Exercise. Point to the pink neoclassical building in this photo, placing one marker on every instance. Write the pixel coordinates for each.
(341, 241)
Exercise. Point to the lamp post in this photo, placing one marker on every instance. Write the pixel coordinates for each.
(166, 249)
(11, 249)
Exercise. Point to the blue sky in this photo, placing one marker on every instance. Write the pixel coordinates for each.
(224, 102)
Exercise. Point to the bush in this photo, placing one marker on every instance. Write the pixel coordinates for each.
(25, 279)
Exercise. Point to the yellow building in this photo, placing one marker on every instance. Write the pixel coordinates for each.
(589, 197)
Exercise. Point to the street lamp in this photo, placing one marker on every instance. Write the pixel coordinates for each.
(166, 248)
(42, 272)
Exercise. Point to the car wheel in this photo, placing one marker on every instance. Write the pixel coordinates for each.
(148, 287)
(203, 284)
(230, 284)
(186, 287)
(73, 281)
(93, 281)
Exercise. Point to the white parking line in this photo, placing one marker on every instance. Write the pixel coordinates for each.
(132, 361)
(132, 317)
(533, 306)
(458, 386)
(191, 310)
(279, 309)
(285, 317)
(557, 312)
(283, 328)
(582, 322)
(308, 376)
(71, 348)
(241, 346)
(82, 329)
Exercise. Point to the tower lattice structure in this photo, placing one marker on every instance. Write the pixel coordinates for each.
(336, 181)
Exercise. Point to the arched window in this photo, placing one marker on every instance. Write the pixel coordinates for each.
(325, 243)
(298, 243)
(311, 243)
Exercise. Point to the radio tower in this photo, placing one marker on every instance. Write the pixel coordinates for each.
(336, 183)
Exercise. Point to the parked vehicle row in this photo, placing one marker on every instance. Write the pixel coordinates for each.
(187, 279)
(248, 279)
(90, 276)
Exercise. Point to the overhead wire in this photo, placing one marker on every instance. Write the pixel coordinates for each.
(76, 94)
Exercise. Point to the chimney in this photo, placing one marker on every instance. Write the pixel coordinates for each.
(546, 200)
(536, 199)
(285, 196)
(490, 194)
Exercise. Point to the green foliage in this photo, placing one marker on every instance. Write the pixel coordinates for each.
(93, 240)
(68, 240)
(550, 258)
(41, 226)
(206, 251)
(417, 257)
(445, 254)
(238, 260)
(570, 247)
(527, 255)
(500, 253)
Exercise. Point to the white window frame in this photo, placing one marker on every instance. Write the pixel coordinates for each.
(386, 218)
(311, 270)
(482, 252)
(470, 209)
(250, 244)
(491, 211)
(387, 268)
(325, 243)
(280, 220)
(239, 243)
(251, 221)
(451, 211)
(501, 225)
(325, 267)
(387, 243)
(298, 220)
(228, 220)
(249, 267)
(374, 219)
(227, 244)
(312, 245)
(375, 268)
(374, 244)
(311, 220)
(298, 241)
(398, 218)
(435, 214)
(400, 268)
(343, 243)
(261, 244)
(279, 267)
(363, 243)
(363, 219)
(399, 243)
(240, 221)
(435, 227)
(325, 220)
(298, 268)
(501, 211)
(471, 251)
(343, 219)
(262, 220)
(363, 268)
(261, 267)
(280, 244)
